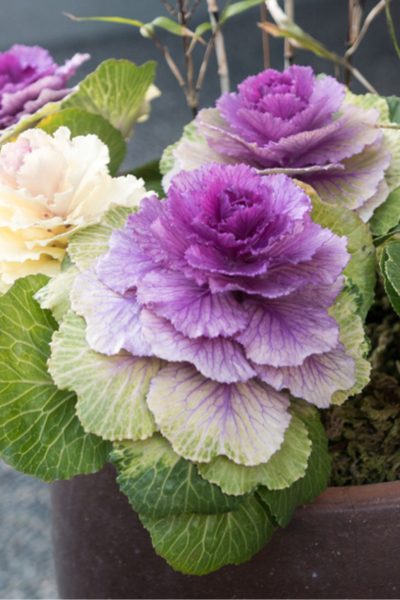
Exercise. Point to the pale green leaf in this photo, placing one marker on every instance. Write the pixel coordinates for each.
(284, 467)
(171, 26)
(55, 295)
(343, 222)
(394, 109)
(284, 502)
(81, 122)
(120, 20)
(237, 8)
(368, 101)
(111, 389)
(90, 243)
(40, 433)
(387, 215)
(199, 544)
(352, 336)
(116, 91)
(160, 483)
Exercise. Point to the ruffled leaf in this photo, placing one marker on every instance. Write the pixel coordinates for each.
(288, 464)
(387, 215)
(159, 483)
(284, 502)
(390, 266)
(116, 90)
(40, 433)
(199, 544)
(55, 295)
(81, 122)
(352, 336)
(111, 389)
(394, 109)
(203, 418)
(90, 243)
(361, 267)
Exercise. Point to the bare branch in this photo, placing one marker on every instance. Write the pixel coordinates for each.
(204, 64)
(190, 14)
(371, 16)
(223, 70)
(169, 8)
(289, 49)
(265, 38)
(191, 98)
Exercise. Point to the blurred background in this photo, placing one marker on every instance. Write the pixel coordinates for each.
(26, 568)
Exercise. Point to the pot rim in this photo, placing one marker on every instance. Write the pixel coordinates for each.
(357, 497)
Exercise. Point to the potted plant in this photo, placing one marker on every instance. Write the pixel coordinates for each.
(192, 339)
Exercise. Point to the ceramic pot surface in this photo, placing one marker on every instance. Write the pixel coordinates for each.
(345, 544)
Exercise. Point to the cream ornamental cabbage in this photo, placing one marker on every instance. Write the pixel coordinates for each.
(50, 187)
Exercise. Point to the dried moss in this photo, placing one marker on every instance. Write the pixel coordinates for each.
(363, 433)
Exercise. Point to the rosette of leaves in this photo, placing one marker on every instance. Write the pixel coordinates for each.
(309, 128)
(213, 459)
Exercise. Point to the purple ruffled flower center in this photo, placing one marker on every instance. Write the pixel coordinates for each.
(29, 78)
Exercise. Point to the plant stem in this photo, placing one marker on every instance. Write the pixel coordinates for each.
(169, 7)
(223, 71)
(356, 8)
(265, 38)
(191, 97)
(289, 49)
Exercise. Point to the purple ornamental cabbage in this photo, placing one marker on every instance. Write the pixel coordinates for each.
(230, 281)
(29, 79)
(293, 122)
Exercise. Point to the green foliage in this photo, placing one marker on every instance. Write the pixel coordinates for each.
(283, 503)
(116, 90)
(361, 267)
(199, 544)
(111, 390)
(40, 433)
(394, 109)
(81, 122)
(387, 215)
(90, 243)
(160, 483)
(390, 267)
(287, 465)
(55, 295)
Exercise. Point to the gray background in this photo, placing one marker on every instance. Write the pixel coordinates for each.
(26, 569)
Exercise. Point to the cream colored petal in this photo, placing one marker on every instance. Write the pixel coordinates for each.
(10, 272)
(42, 172)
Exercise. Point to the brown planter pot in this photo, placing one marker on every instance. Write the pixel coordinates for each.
(346, 544)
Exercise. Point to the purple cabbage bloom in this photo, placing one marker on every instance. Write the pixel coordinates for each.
(230, 281)
(29, 79)
(295, 123)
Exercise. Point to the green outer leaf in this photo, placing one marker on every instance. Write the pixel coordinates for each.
(367, 101)
(81, 122)
(394, 297)
(237, 8)
(40, 433)
(284, 467)
(284, 502)
(390, 267)
(200, 544)
(394, 109)
(90, 243)
(150, 173)
(55, 295)
(160, 483)
(111, 390)
(361, 267)
(168, 159)
(352, 336)
(116, 90)
(387, 215)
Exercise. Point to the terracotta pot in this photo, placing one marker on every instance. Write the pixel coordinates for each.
(345, 544)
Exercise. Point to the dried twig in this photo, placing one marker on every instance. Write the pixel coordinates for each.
(371, 16)
(169, 8)
(356, 8)
(191, 97)
(265, 38)
(190, 13)
(223, 71)
(289, 49)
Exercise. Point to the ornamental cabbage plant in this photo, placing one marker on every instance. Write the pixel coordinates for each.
(305, 126)
(29, 79)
